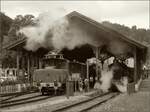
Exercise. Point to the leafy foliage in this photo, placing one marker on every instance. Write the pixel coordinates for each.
(9, 57)
(142, 35)
(5, 23)
(139, 34)
(9, 60)
(18, 23)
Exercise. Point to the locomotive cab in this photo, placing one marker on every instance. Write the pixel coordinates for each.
(50, 80)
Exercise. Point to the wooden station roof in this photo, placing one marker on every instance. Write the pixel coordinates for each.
(107, 32)
(16, 44)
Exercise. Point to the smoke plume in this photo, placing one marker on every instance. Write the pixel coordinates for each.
(122, 84)
(48, 26)
(54, 29)
(106, 79)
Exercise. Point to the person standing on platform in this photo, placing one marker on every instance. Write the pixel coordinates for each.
(80, 85)
(55, 86)
(86, 85)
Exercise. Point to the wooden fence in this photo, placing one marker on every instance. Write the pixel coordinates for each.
(23, 87)
(13, 88)
(131, 86)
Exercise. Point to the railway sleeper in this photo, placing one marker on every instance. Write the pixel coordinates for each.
(65, 108)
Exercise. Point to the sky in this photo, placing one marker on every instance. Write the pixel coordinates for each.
(127, 13)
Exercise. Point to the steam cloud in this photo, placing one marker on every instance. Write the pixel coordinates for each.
(53, 29)
(47, 26)
(122, 84)
(106, 79)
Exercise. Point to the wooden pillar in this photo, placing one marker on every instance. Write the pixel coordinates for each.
(32, 60)
(87, 73)
(18, 64)
(36, 62)
(1, 48)
(135, 65)
(23, 61)
(40, 63)
(87, 65)
(28, 66)
(139, 64)
(97, 50)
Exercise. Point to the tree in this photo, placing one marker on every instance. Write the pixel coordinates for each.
(20, 22)
(5, 23)
(9, 57)
(134, 27)
(9, 60)
(142, 35)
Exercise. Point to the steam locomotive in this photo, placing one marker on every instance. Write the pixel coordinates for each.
(120, 71)
(56, 70)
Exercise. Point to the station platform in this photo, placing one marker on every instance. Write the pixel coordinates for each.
(51, 103)
(135, 102)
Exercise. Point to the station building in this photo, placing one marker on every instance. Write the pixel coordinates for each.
(108, 42)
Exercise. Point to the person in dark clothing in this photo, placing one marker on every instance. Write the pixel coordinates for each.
(55, 86)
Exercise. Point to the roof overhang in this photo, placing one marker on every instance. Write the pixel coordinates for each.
(20, 43)
(107, 31)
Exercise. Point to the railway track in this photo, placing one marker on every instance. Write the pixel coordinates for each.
(16, 93)
(88, 104)
(9, 97)
(21, 101)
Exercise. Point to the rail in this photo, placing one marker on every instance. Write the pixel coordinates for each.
(21, 101)
(83, 106)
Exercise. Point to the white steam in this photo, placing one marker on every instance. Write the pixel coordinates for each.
(106, 79)
(47, 25)
(36, 41)
(54, 30)
(69, 36)
(122, 84)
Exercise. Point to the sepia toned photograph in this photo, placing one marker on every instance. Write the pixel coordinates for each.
(74, 56)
